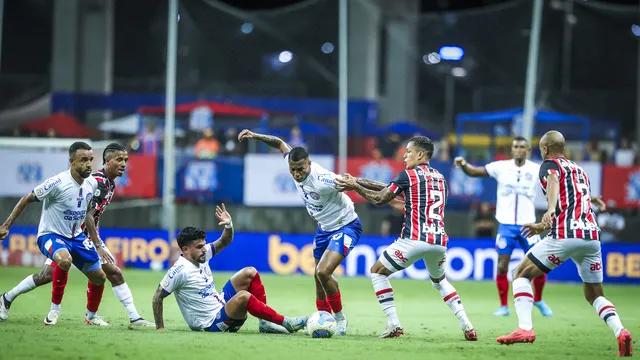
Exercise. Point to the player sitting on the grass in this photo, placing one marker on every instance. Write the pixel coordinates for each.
(339, 227)
(66, 199)
(423, 235)
(202, 307)
(574, 235)
(114, 158)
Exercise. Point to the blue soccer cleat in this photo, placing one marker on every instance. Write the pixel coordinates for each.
(544, 308)
(502, 311)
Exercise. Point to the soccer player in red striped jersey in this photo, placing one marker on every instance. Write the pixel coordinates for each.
(574, 234)
(423, 235)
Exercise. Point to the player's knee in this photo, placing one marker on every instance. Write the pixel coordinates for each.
(323, 274)
(249, 272)
(98, 278)
(65, 263)
(243, 296)
(502, 268)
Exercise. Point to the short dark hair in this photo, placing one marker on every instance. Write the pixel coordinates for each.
(520, 138)
(78, 145)
(189, 235)
(298, 153)
(110, 149)
(423, 143)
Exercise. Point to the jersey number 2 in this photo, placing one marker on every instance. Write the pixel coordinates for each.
(437, 198)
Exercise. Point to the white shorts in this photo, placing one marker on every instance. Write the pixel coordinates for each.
(550, 253)
(403, 253)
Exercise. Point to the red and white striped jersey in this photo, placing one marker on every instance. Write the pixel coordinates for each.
(101, 198)
(425, 196)
(574, 214)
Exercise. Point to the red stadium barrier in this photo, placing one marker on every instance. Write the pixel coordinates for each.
(140, 179)
(621, 184)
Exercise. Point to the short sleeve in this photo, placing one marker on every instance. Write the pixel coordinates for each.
(400, 183)
(47, 189)
(547, 168)
(211, 252)
(100, 194)
(173, 280)
(493, 169)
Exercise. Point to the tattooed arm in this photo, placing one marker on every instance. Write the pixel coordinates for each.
(371, 184)
(273, 141)
(158, 299)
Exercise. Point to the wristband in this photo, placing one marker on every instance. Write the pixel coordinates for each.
(229, 226)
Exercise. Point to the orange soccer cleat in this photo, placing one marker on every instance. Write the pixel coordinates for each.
(624, 343)
(518, 336)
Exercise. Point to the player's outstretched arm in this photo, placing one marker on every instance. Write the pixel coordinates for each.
(227, 234)
(378, 198)
(273, 141)
(92, 229)
(158, 299)
(469, 169)
(397, 205)
(370, 184)
(17, 210)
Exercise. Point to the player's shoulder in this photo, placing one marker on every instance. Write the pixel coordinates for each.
(177, 269)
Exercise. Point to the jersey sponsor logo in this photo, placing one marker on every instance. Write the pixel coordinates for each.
(581, 225)
(75, 215)
(400, 256)
(207, 290)
(174, 271)
(51, 183)
(325, 178)
(516, 189)
(432, 229)
(554, 260)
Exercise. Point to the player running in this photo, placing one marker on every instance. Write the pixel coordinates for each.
(202, 307)
(339, 227)
(66, 198)
(514, 207)
(574, 235)
(114, 158)
(423, 235)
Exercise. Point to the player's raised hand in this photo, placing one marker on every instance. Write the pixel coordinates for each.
(346, 182)
(459, 161)
(245, 134)
(528, 230)
(223, 215)
(4, 231)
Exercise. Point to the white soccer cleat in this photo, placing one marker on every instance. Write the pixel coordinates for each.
(141, 323)
(267, 327)
(96, 321)
(52, 317)
(341, 325)
(295, 324)
(391, 332)
(4, 308)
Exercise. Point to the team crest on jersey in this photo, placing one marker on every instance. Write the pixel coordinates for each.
(314, 195)
(39, 192)
(89, 195)
(528, 176)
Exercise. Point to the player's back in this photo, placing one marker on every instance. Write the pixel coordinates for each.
(574, 213)
(425, 200)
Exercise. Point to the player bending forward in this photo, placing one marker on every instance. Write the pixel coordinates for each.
(203, 308)
(66, 198)
(339, 227)
(423, 234)
(114, 158)
(574, 235)
(514, 207)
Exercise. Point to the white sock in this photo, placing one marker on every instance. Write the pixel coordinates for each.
(608, 313)
(24, 286)
(123, 294)
(523, 302)
(55, 307)
(339, 315)
(90, 314)
(451, 298)
(384, 292)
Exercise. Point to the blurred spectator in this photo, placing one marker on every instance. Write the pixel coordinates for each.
(388, 145)
(231, 144)
(443, 150)
(625, 155)
(51, 133)
(611, 223)
(296, 138)
(207, 147)
(392, 224)
(592, 153)
(484, 223)
(149, 139)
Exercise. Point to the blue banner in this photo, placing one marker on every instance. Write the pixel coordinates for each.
(287, 254)
(213, 181)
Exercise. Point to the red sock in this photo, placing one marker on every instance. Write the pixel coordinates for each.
(262, 311)
(58, 283)
(94, 296)
(257, 289)
(323, 305)
(538, 285)
(335, 301)
(503, 288)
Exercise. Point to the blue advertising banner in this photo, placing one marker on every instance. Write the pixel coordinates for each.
(211, 180)
(285, 254)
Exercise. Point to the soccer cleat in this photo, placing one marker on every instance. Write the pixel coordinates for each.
(518, 336)
(544, 308)
(502, 311)
(96, 320)
(267, 327)
(294, 324)
(624, 343)
(52, 317)
(470, 334)
(391, 332)
(4, 308)
(140, 323)
(342, 326)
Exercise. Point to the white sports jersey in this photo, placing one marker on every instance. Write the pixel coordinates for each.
(195, 291)
(64, 204)
(330, 208)
(516, 191)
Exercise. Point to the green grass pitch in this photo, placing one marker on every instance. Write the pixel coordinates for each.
(431, 330)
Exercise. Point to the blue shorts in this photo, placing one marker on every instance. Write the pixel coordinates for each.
(222, 322)
(341, 241)
(509, 236)
(83, 254)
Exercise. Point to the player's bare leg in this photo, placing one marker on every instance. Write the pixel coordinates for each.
(123, 294)
(594, 294)
(97, 279)
(321, 297)
(324, 273)
(63, 262)
(244, 302)
(452, 299)
(502, 283)
(381, 285)
(29, 283)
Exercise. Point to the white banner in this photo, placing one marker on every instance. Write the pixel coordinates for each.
(594, 172)
(25, 169)
(267, 181)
